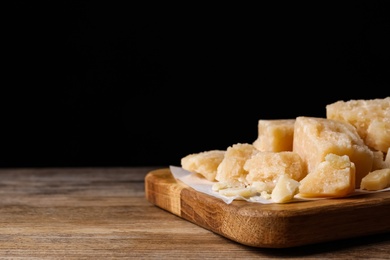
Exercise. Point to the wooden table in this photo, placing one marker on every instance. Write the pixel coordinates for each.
(102, 213)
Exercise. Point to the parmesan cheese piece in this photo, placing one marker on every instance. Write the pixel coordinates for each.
(244, 192)
(268, 166)
(231, 170)
(204, 163)
(334, 177)
(370, 117)
(315, 138)
(387, 159)
(379, 161)
(285, 189)
(275, 135)
(376, 180)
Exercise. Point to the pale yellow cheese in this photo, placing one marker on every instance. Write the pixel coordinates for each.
(285, 189)
(231, 170)
(378, 134)
(333, 177)
(275, 135)
(204, 163)
(387, 159)
(376, 180)
(268, 166)
(370, 117)
(379, 161)
(315, 138)
(263, 186)
(244, 192)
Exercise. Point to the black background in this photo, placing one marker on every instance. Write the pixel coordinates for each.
(90, 83)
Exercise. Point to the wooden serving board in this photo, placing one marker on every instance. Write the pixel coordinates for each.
(271, 225)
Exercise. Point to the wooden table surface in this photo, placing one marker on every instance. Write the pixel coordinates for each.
(102, 213)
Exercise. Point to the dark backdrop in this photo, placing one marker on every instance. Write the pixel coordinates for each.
(87, 83)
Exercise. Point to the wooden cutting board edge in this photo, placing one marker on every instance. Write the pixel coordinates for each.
(271, 225)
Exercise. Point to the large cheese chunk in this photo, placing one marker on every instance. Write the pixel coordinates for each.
(275, 135)
(231, 170)
(314, 138)
(370, 117)
(268, 166)
(204, 163)
(334, 177)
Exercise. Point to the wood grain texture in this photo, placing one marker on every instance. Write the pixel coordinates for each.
(102, 213)
(272, 225)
